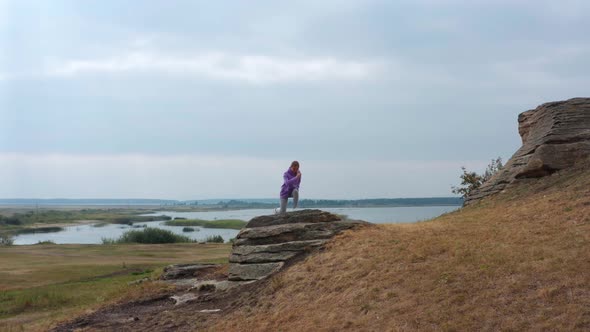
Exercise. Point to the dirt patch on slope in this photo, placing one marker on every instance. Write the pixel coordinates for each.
(159, 312)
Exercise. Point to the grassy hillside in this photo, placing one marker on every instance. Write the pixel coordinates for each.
(518, 261)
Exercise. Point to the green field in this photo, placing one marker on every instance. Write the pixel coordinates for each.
(43, 284)
(224, 223)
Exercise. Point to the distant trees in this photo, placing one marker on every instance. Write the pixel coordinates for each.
(471, 181)
(327, 203)
(380, 202)
(12, 220)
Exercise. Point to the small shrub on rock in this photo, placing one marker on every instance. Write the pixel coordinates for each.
(471, 181)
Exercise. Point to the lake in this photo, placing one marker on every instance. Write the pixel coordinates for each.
(89, 234)
(381, 215)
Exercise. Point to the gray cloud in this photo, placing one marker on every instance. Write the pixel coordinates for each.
(370, 84)
(221, 65)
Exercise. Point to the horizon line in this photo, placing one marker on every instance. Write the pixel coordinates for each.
(211, 199)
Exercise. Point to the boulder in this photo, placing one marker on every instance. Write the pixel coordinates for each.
(267, 243)
(554, 136)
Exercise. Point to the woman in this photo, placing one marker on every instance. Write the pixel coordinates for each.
(290, 188)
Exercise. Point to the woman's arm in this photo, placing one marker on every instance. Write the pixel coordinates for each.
(292, 180)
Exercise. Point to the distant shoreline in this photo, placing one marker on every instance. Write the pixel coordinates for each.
(222, 204)
(185, 208)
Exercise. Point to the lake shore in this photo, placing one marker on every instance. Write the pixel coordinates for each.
(65, 224)
(79, 225)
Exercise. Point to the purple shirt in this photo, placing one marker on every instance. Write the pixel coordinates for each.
(291, 183)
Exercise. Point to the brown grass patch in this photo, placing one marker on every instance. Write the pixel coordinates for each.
(518, 261)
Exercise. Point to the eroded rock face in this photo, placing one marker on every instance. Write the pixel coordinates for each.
(268, 242)
(554, 136)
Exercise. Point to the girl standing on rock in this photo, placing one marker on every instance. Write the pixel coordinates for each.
(290, 187)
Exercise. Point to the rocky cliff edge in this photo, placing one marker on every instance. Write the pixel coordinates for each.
(554, 135)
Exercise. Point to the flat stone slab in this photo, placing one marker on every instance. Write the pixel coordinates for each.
(184, 298)
(238, 272)
(267, 242)
(272, 252)
(263, 257)
(291, 232)
(302, 216)
(216, 285)
(181, 282)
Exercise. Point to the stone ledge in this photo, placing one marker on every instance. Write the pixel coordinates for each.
(244, 272)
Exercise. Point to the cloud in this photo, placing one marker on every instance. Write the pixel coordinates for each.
(210, 176)
(222, 66)
(551, 68)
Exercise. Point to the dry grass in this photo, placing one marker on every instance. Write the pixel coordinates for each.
(518, 261)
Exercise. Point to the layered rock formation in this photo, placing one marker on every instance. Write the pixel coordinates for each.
(554, 136)
(267, 243)
(187, 271)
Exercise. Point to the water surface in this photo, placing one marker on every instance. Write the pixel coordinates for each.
(381, 215)
(88, 234)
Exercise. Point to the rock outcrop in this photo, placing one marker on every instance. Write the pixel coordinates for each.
(554, 137)
(267, 243)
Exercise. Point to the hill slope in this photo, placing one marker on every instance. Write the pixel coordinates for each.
(516, 261)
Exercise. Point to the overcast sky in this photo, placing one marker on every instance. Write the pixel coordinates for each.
(214, 99)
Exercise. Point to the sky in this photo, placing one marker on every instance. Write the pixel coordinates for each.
(214, 99)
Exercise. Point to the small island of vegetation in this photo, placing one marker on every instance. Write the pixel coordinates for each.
(151, 235)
